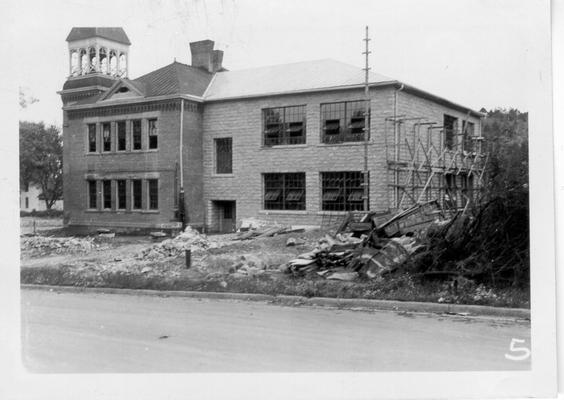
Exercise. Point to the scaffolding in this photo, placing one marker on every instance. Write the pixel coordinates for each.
(428, 161)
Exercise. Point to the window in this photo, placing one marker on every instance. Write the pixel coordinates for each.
(449, 127)
(106, 137)
(92, 195)
(153, 194)
(136, 134)
(121, 136)
(121, 196)
(284, 125)
(450, 191)
(136, 193)
(153, 137)
(223, 156)
(343, 122)
(107, 194)
(342, 191)
(92, 138)
(467, 135)
(27, 202)
(284, 191)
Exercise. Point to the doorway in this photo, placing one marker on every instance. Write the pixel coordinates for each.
(226, 216)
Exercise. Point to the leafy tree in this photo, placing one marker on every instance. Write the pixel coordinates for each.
(41, 160)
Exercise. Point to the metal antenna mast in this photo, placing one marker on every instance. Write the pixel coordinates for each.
(366, 122)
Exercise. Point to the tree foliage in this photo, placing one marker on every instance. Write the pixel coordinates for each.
(41, 160)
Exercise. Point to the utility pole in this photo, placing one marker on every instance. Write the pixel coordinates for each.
(366, 123)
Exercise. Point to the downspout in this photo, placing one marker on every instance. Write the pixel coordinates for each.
(181, 209)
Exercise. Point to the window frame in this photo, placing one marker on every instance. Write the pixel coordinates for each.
(109, 125)
(288, 185)
(449, 134)
(337, 190)
(89, 137)
(119, 196)
(283, 132)
(150, 193)
(92, 183)
(106, 194)
(217, 160)
(133, 141)
(341, 114)
(152, 134)
(133, 198)
(118, 139)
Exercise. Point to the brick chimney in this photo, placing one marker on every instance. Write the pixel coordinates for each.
(204, 56)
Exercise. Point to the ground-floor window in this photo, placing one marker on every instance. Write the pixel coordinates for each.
(153, 194)
(114, 194)
(342, 191)
(121, 196)
(284, 191)
(107, 194)
(136, 194)
(92, 194)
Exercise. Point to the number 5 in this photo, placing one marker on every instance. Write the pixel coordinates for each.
(526, 353)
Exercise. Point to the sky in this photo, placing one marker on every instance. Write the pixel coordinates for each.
(478, 53)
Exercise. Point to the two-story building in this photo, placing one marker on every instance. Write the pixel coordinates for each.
(206, 146)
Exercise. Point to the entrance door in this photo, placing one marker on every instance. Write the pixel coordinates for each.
(227, 218)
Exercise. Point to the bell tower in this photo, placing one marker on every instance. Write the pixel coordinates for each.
(97, 58)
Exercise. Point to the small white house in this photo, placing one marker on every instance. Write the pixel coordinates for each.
(29, 200)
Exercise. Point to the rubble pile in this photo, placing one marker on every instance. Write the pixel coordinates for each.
(251, 228)
(47, 244)
(368, 249)
(190, 239)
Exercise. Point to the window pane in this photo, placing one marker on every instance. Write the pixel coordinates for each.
(153, 137)
(92, 194)
(343, 122)
(121, 136)
(136, 134)
(92, 138)
(153, 194)
(224, 156)
(284, 125)
(342, 191)
(284, 191)
(121, 194)
(106, 137)
(136, 191)
(107, 193)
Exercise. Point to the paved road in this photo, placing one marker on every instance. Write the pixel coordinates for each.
(90, 332)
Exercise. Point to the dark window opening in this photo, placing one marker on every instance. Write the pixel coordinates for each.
(106, 137)
(224, 156)
(121, 196)
(449, 127)
(343, 121)
(467, 135)
(342, 191)
(107, 194)
(27, 202)
(284, 191)
(121, 136)
(136, 193)
(92, 138)
(92, 194)
(153, 194)
(450, 191)
(153, 134)
(136, 134)
(284, 125)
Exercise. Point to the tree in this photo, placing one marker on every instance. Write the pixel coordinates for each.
(41, 160)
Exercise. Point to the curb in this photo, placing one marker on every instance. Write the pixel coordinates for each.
(384, 305)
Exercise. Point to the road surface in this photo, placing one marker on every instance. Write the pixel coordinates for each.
(94, 332)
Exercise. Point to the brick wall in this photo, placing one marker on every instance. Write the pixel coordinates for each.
(80, 165)
(242, 120)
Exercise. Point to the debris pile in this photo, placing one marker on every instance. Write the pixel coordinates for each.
(368, 249)
(190, 239)
(47, 244)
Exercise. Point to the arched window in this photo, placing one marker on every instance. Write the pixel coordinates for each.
(113, 63)
(83, 61)
(75, 67)
(103, 61)
(122, 65)
(93, 60)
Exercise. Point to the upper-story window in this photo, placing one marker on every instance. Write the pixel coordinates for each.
(92, 138)
(449, 129)
(121, 142)
(153, 134)
(136, 134)
(467, 135)
(223, 155)
(343, 121)
(284, 125)
(106, 137)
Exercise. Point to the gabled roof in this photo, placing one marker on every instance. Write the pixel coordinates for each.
(115, 34)
(175, 78)
(287, 78)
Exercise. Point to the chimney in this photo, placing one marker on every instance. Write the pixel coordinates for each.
(204, 56)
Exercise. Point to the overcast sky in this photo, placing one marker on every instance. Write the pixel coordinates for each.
(479, 53)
